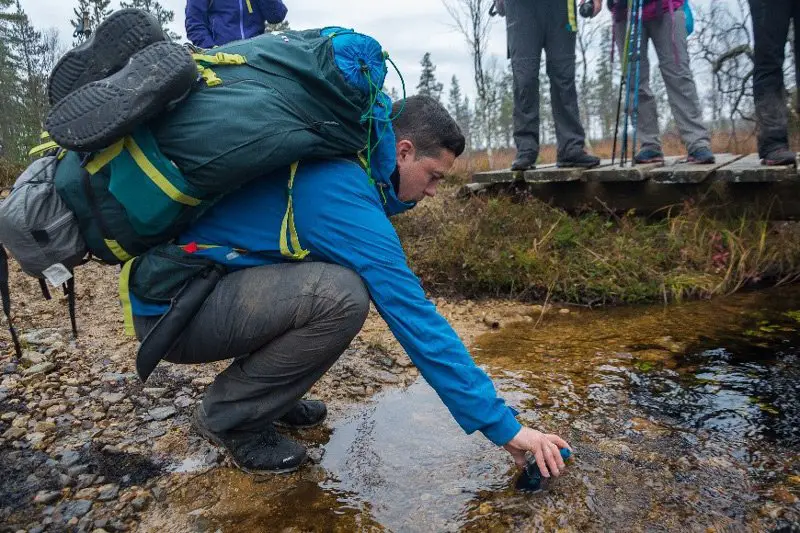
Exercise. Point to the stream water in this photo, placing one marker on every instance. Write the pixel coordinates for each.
(682, 418)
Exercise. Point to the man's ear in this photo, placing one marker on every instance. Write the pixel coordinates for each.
(405, 150)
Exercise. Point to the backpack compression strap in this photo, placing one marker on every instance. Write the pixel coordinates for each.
(6, 296)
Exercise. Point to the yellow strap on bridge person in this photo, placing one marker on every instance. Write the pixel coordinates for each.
(572, 20)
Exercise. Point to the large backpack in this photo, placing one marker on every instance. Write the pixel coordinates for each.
(265, 103)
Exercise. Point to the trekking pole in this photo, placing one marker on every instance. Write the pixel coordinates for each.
(629, 49)
(623, 66)
(637, 78)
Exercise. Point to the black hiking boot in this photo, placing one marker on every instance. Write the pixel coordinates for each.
(524, 161)
(579, 160)
(101, 112)
(304, 414)
(107, 50)
(780, 156)
(255, 452)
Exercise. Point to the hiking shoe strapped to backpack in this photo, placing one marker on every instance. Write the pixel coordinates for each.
(151, 73)
(257, 452)
(106, 51)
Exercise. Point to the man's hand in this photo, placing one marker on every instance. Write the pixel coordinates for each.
(498, 8)
(598, 6)
(545, 448)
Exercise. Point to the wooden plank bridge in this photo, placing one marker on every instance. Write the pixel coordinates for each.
(735, 183)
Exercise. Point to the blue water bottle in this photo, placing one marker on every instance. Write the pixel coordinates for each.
(530, 480)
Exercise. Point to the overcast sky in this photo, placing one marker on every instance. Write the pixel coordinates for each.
(406, 29)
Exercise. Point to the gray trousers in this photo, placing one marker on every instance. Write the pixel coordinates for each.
(285, 325)
(534, 26)
(681, 89)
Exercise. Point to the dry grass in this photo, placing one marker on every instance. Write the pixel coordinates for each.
(9, 172)
(500, 247)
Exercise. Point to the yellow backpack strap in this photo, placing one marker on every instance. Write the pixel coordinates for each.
(210, 77)
(288, 225)
(125, 297)
(249, 7)
(39, 149)
(104, 157)
(220, 58)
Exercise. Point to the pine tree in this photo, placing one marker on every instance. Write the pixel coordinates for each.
(454, 98)
(506, 116)
(163, 15)
(96, 11)
(605, 91)
(280, 26)
(428, 85)
(10, 86)
(30, 51)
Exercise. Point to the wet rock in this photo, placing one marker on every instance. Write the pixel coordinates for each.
(315, 455)
(155, 392)
(41, 368)
(85, 480)
(108, 492)
(69, 458)
(564, 311)
(46, 497)
(162, 413)
(139, 503)
(112, 397)
(75, 509)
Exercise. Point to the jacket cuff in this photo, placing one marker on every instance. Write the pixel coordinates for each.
(504, 430)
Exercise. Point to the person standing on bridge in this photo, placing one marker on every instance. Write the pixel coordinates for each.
(211, 23)
(771, 19)
(664, 23)
(534, 26)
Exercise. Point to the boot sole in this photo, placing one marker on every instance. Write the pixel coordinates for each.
(778, 162)
(116, 39)
(213, 439)
(101, 112)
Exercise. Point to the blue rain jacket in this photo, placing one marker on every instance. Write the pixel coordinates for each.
(212, 23)
(342, 216)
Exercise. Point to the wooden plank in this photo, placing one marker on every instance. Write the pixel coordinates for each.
(682, 171)
(628, 173)
(750, 170)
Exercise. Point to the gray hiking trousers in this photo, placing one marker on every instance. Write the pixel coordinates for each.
(534, 26)
(681, 89)
(284, 325)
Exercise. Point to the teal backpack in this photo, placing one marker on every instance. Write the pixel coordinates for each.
(260, 105)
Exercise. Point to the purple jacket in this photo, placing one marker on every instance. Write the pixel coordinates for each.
(652, 9)
(212, 23)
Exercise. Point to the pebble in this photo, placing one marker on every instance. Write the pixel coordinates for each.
(56, 410)
(9, 368)
(46, 497)
(41, 368)
(202, 381)
(386, 377)
(564, 311)
(88, 493)
(162, 413)
(108, 492)
(20, 422)
(112, 397)
(36, 437)
(182, 402)
(485, 508)
(155, 392)
(44, 427)
(76, 509)
(31, 358)
(69, 458)
(85, 480)
(139, 503)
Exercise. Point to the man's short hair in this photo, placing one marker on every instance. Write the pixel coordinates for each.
(426, 123)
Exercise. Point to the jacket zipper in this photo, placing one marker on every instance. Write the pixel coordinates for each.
(241, 18)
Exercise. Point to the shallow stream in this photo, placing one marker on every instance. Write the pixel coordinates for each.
(682, 418)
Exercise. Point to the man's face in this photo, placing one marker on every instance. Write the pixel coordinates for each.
(419, 176)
